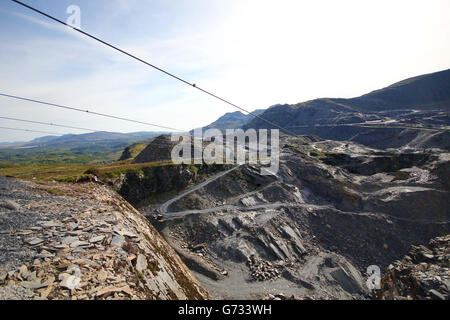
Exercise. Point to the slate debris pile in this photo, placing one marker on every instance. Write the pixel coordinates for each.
(423, 274)
(84, 243)
(261, 270)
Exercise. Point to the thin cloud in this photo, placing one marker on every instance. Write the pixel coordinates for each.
(254, 53)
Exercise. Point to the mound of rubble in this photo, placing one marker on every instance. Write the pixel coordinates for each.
(83, 241)
(422, 274)
(262, 270)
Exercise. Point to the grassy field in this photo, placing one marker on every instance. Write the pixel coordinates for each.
(71, 172)
(55, 155)
(94, 148)
(68, 163)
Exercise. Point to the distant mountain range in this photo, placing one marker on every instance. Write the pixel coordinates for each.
(89, 138)
(95, 147)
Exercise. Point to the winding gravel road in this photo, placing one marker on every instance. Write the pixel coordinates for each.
(164, 207)
(226, 207)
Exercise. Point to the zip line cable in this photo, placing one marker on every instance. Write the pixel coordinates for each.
(36, 131)
(70, 127)
(63, 126)
(193, 85)
(48, 124)
(87, 111)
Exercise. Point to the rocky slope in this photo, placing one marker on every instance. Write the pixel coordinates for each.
(422, 274)
(333, 209)
(156, 183)
(159, 149)
(83, 241)
(424, 92)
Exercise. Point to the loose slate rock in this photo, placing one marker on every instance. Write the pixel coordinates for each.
(33, 285)
(435, 295)
(78, 243)
(34, 241)
(96, 239)
(107, 291)
(70, 282)
(68, 240)
(118, 241)
(50, 224)
(11, 205)
(141, 263)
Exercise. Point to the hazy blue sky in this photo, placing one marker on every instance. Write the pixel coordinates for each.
(254, 53)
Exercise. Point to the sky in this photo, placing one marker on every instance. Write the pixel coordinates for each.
(255, 53)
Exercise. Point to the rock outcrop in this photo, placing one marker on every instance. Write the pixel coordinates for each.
(126, 154)
(422, 274)
(154, 183)
(159, 149)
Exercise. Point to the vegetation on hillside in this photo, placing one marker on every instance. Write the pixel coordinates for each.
(72, 172)
(132, 151)
(96, 154)
(93, 148)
